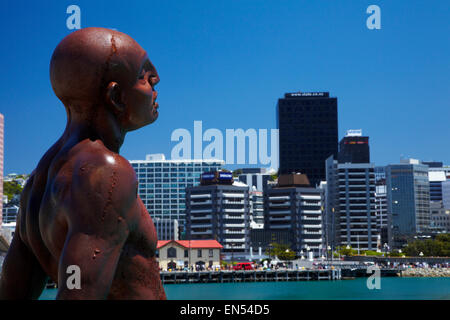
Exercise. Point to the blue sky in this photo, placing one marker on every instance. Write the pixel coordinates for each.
(227, 62)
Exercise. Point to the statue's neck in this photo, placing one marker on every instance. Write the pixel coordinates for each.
(101, 126)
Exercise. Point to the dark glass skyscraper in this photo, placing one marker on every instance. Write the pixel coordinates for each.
(308, 128)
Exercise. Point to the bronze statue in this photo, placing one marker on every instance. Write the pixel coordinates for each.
(80, 205)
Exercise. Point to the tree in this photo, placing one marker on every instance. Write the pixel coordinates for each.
(282, 251)
(439, 247)
(11, 188)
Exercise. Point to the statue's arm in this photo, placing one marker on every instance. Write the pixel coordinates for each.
(22, 277)
(102, 205)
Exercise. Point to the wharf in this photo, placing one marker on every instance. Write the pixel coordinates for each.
(224, 276)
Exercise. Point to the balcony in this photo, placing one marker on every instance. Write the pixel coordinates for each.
(284, 204)
(312, 218)
(319, 240)
(233, 202)
(233, 210)
(200, 210)
(309, 204)
(227, 216)
(234, 240)
(209, 231)
(283, 212)
(196, 196)
(194, 203)
(226, 246)
(196, 226)
(234, 232)
(281, 226)
(207, 217)
(286, 218)
(233, 195)
(311, 232)
(234, 225)
(307, 197)
(312, 226)
(312, 211)
(280, 198)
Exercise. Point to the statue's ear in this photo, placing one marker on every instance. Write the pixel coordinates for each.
(114, 97)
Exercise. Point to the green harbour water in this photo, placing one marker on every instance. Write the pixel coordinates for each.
(391, 289)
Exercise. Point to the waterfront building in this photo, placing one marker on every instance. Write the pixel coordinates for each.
(219, 209)
(2, 136)
(293, 206)
(198, 254)
(351, 205)
(308, 133)
(166, 229)
(162, 183)
(408, 198)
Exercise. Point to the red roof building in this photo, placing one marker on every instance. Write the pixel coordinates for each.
(193, 244)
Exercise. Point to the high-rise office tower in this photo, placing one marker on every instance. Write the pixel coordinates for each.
(308, 133)
(351, 214)
(2, 126)
(408, 198)
(354, 148)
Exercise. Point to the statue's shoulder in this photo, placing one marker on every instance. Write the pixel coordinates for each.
(96, 167)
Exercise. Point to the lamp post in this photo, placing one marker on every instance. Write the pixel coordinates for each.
(287, 250)
(320, 251)
(232, 254)
(328, 254)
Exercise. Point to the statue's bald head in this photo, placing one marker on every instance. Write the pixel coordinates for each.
(88, 60)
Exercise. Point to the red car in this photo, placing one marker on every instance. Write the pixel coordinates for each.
(243, 266)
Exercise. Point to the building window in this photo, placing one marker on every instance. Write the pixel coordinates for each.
(186, 253)
(199, 253)
(171, 253)
(211, 253)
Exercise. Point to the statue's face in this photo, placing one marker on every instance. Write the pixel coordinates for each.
(140, 98)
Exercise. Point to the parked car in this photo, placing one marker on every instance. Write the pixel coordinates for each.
(243, 266)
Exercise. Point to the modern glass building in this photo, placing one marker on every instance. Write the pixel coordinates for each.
(408, 198)
(308, 133)
(163, 183)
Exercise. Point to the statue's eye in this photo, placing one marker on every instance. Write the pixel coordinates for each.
(142, 75)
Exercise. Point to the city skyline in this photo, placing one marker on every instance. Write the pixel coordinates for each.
(236, 60)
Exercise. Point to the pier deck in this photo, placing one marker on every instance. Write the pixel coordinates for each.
(248, 276)
(224, 276)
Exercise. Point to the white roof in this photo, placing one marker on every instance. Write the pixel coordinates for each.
(239, 184)
(436, 176)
